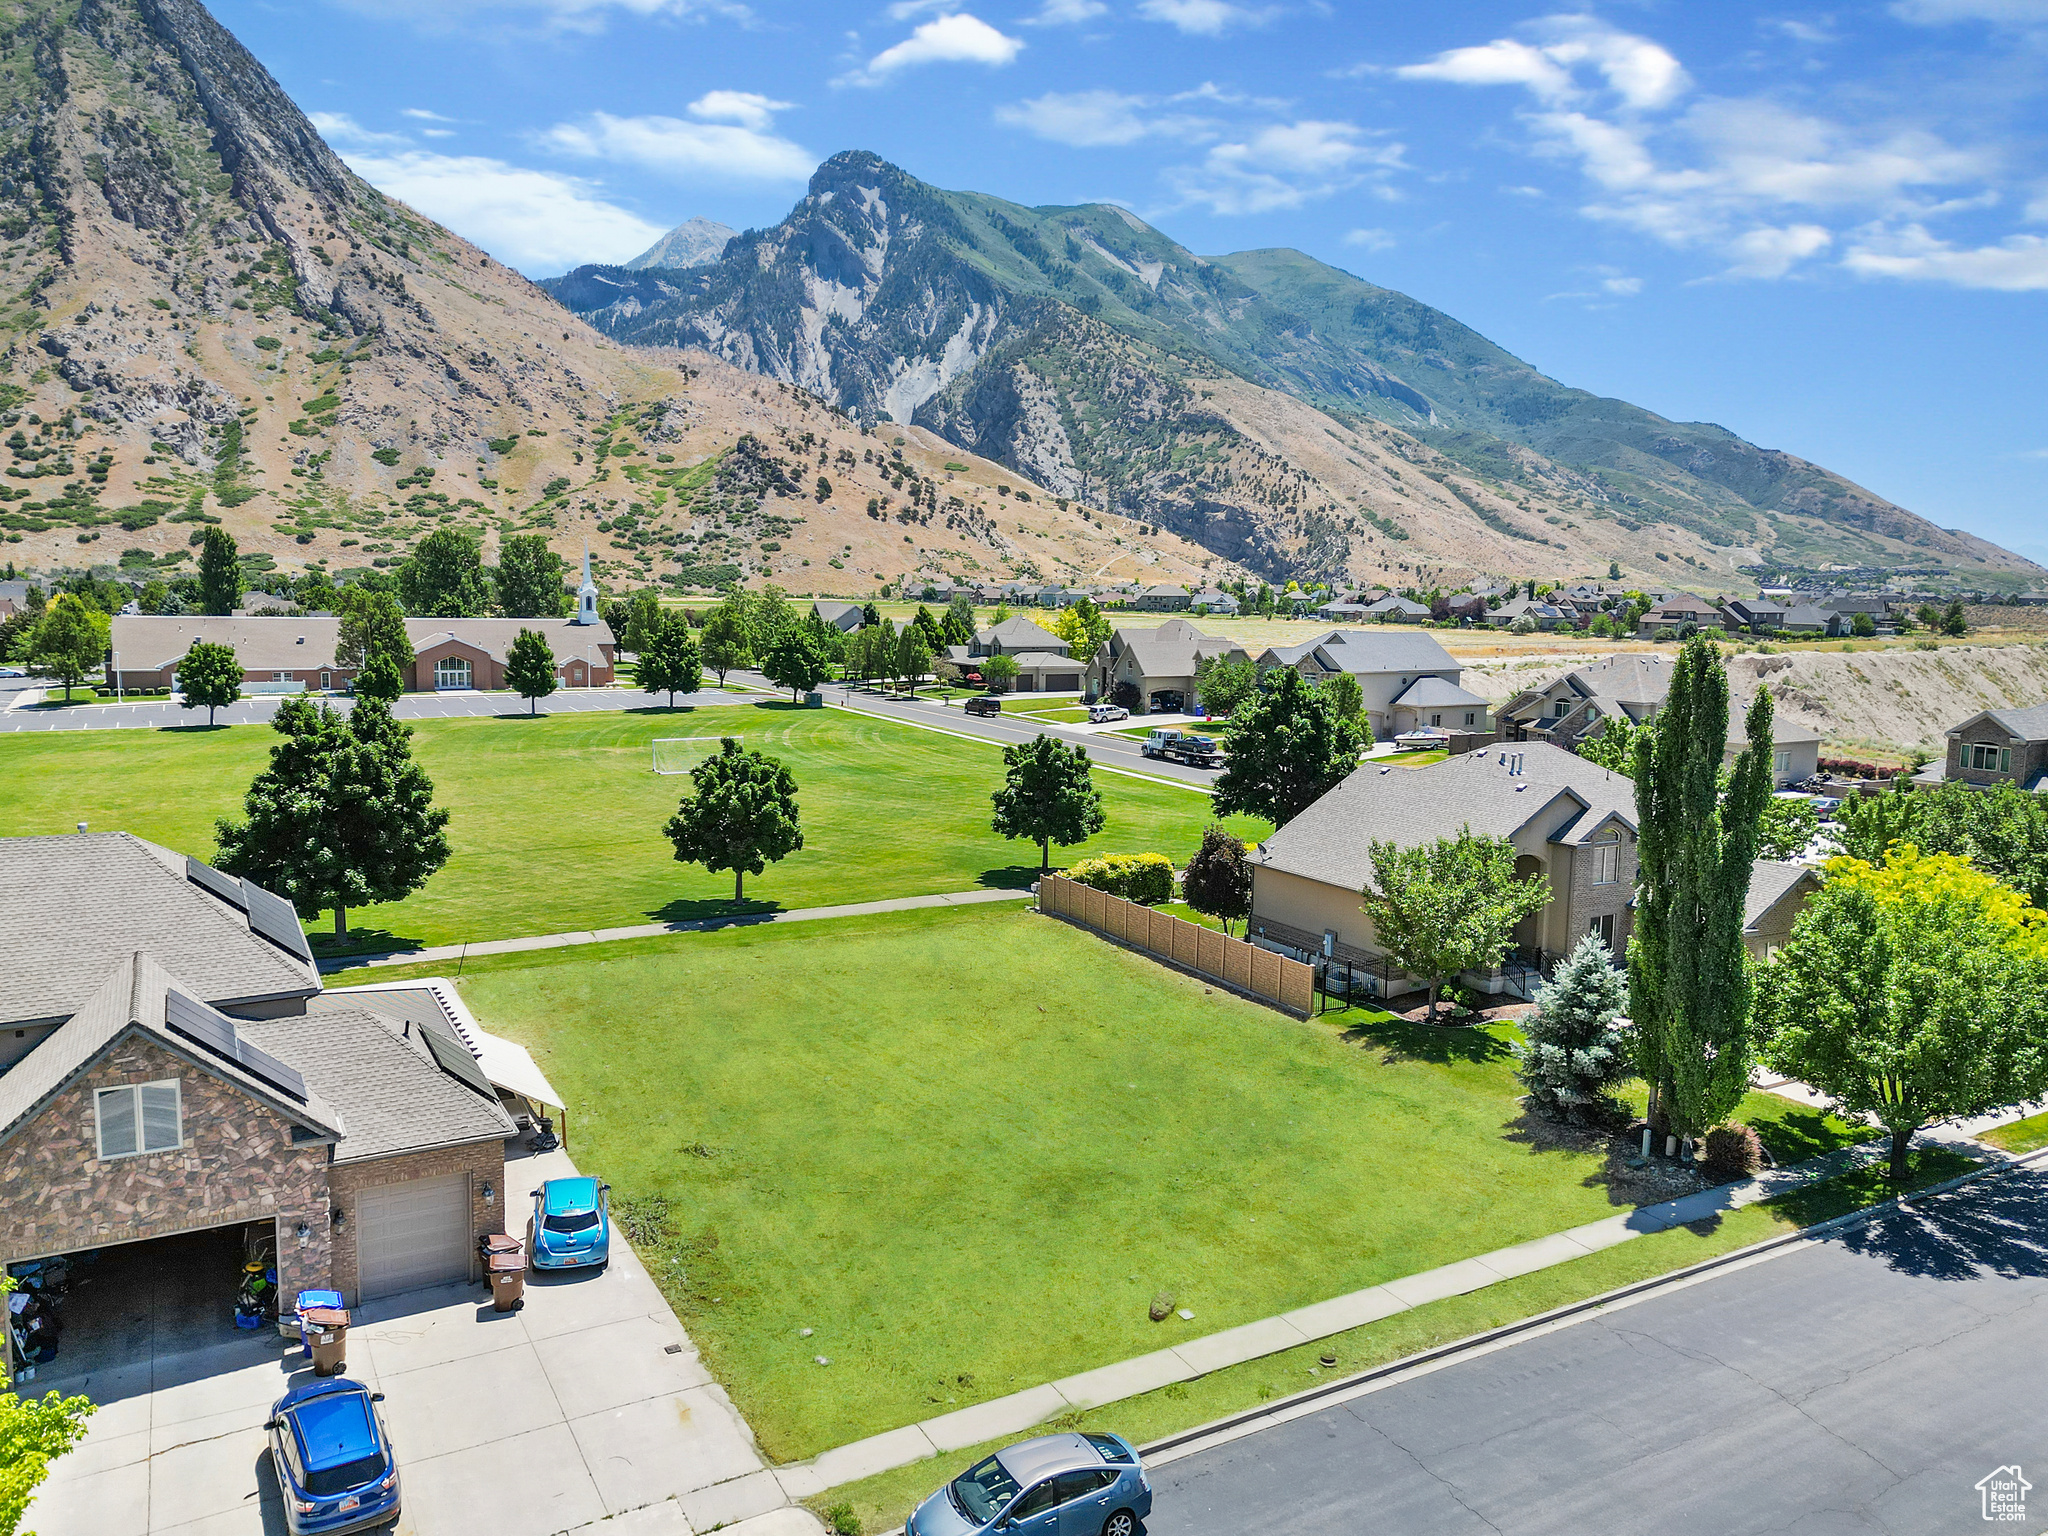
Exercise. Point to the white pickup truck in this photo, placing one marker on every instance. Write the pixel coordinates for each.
(1180, 747)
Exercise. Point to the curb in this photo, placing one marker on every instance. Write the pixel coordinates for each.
(1630, 1292)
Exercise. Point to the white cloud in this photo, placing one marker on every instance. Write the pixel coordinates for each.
(1090, 119)
(563, 15)
(1638, 71)
(1769, 252)
(423, 115)
(437, 133)
(747, 108)
(1624, 287)
(536, 221)
(958, 38)
(341, 129)
(1285, 165)
(1371, 239)
(669, 144)
(2017, 264)
(1203, 18)
(1066, 13)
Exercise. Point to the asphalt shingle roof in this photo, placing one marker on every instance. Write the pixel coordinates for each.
(1385, 650)
(2029, 724)
(70, 907)
(148, 642)
(1769, 883)
(1435, 693)
(1564, 794)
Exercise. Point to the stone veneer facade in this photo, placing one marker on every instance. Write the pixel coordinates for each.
(237, 1164)
(484, 1162)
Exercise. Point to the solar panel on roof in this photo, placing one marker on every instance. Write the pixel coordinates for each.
(199, 1023)
(453, 1057)
(226, 887)
(274, 1072)
(274, 918)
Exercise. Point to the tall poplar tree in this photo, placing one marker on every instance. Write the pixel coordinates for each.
(1689, 984)
(220, 572)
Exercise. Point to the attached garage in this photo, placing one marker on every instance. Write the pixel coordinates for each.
(413, 1234)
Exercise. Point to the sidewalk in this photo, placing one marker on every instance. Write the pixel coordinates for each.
(1020, 1412)
(657, 930)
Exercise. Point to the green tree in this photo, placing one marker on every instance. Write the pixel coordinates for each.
(934, 634)
(913, 656)
(643, 615)
(669, 659)
(795, 661)
(870, 615)
(1347, 698)
(315, 592)
(1085, 628)
(530, 668)
(2002, 830)
(1786, 827)
(34, 1431)
(69, 642)
(380, 679)
(1573, 1051)
(529, 579)
(1614, 748)
(1218, 882)
(1912, 992)
(372, 625)
(1288, 748)
(1689, 980)
(444, 578)
(740, 814)
(1225, 682)
(209, 678)
(957, 628)
(769, 614)
(1447, 907)
(1953, 620)
(220, 572)
(1862, 626)
(1614, 570)
(1048, 796)
(999, 672)
(343, 816)
(728, 637)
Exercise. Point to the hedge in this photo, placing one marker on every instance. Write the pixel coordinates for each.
(1146, 878)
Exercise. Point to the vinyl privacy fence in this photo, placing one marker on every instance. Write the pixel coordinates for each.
(1258, 973)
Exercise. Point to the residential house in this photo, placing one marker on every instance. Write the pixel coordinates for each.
(1758, 615)
(1795, 749)
(1578, 704)
(1162, 598)
(1571, 821)
(1154, 670)
(1345, 611)
(1544, 615)
(1214, 602)
(1388, 665)
(1807, 619)
(1014, 637)
(1432, 704)
(1992, 747)
(173, 1071)
(1777, 895)
(1046, 672)
(1395, 609)
(1675, 611)
(844, 617)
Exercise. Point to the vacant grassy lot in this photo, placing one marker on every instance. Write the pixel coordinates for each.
(968, 1147)
(557, 820)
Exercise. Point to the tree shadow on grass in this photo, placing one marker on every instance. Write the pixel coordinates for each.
(661, 709)
(198, 726)
(520, 714)
(1399, 1041)
(1804, 1133)
(715, 910)
(1011, 877)
(783, 704)
(362, 941)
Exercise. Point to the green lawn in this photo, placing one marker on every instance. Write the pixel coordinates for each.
(967, 1147)
(1792, 1131)
(557, 820)
(1417, 759)
(2029, 1135)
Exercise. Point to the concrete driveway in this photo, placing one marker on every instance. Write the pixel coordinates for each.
(587, 1404)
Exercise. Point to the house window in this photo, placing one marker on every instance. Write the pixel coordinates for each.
(280, 677)
(1436, 719)
(1602, 928)
(140, 1117)
(1989, 759)
(1557, 708)
(1471, 717)
(1607, 857)
(452, 672)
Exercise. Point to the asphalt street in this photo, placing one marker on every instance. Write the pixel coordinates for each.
(1864, 1383)
(160, 713)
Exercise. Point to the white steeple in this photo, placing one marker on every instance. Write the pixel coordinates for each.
(586, 595)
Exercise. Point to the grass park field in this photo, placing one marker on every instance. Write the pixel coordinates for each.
(968, 1147)
(556, 821)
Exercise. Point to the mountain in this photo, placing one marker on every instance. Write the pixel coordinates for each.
(1284, 414)
(689, 244)
(206, 317)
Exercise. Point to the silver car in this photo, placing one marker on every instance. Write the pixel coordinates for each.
(1055, 1485)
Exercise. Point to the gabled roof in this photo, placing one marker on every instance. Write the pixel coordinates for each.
(1807, 616)
(1015, 633)
(1436, 693)
(1367, 651)
(71, 906)
(1566, 797)
(2028, 724)
(148, 642)
(1397, 604)
(1771, 882)
(137, 993)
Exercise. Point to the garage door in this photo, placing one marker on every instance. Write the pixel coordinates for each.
(413, 1234)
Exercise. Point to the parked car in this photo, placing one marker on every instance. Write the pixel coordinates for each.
(1055, 1485)
(1180, 747)
(1102, 714)
(333, 1457)
(1827, 805)
(987, 704)
(12, 672)
(572, 1224)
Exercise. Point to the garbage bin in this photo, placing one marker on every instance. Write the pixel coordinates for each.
(507, 1272)
(327, 1338)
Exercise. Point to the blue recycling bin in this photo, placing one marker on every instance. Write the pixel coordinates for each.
(306, 1302)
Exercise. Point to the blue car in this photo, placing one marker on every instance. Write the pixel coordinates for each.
(1056, 1485)
(572, 1224)
(333, 1458)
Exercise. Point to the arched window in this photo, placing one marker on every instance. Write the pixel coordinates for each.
(1607, 856)
(452, 672)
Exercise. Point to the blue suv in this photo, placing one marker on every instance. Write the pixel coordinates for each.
(1056, 1485)
(572, 1224)
(333, 1458)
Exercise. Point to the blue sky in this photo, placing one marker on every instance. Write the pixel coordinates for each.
(1826, 229)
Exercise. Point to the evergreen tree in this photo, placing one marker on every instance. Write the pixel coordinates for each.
(342, 817)
(1689, 980)
(669, 660)
(380, 679)
(444, 578)
(1573, 1051)
(220, 572)
(957, 628)
(870, 616)
(530, 668)
(69, 641)
(1218, 882)
(1953, 620)
(740, 814)
(795, 661)
(529, 579)
(727, 640)
(209, 678)
(934, 636)
(1288, 748)
(1048, 796)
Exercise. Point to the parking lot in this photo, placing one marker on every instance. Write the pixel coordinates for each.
(586, 1404)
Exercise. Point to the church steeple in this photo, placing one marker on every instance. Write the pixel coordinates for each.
(586, 595)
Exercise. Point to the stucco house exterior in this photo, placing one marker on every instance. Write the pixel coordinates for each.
(1162, 597)
(1388, 664)
(1158, 666)
(1995, 746)
(1570, 820)
(1795, 750)
(1577, 705)
(1016, 637)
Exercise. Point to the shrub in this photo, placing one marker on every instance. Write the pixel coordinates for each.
(1146, 878)
(268, 343)
(843, 1520)
(502, 444)
(386, 456)
(1731, 1152)
(1666, 633)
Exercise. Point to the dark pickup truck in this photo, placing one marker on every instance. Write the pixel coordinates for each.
(984, 706)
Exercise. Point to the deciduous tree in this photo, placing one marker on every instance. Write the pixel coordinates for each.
(372, 624)
(727, 640)
(444, 577)
(529, 579)
(69, 642)
(34, 1431)
(2002, 830)
(913, 656)
(1218, 882)
(1048, 796)
(1085, 628)
(1288, 748)
(795, 661)
(1225, 682)
(741, 814)
(530, 668)
(999, 672)
(220, 572)
(209, 678)
(669, 659)
(1347, 697)
(1443, 908)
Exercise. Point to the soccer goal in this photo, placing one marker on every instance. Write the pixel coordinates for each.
(679, 754)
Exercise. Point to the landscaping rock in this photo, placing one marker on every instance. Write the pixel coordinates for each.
(1162, 1307)
(1186, 1316)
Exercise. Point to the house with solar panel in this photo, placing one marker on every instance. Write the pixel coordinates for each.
(179, 1096)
